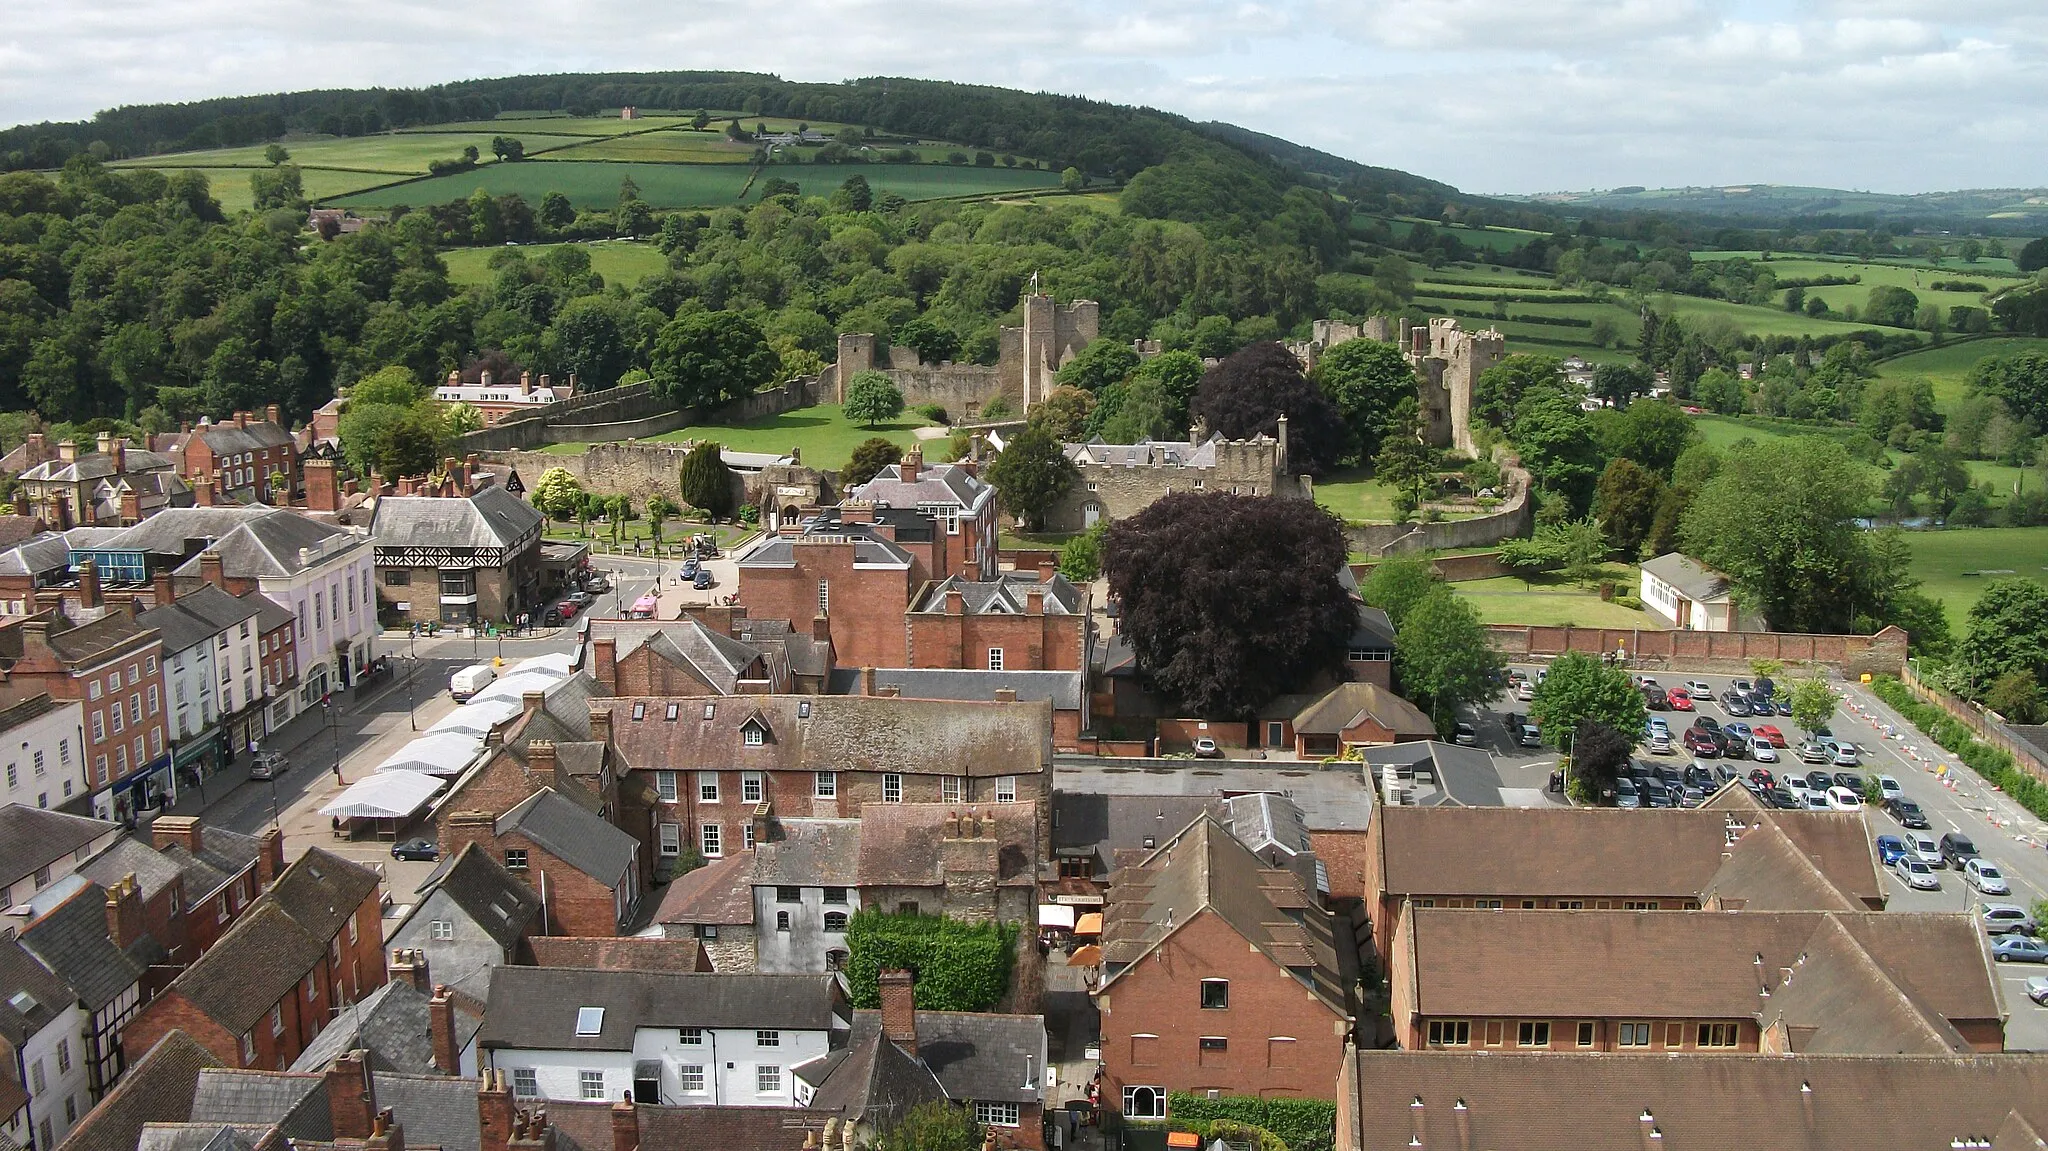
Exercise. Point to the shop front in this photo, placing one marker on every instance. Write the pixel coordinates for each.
(152, 786)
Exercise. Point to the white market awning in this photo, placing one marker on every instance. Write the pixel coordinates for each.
(438, 753)
(385, 795)
(477, 716)
(1055, 915)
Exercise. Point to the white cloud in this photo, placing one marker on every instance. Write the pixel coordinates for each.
(1500, 95)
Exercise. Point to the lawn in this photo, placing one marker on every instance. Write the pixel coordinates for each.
(1948, 367)
(618, 261)
(1945, 561)
(1356, 498)
(823, 434)
(1551, 600)
(596, 183)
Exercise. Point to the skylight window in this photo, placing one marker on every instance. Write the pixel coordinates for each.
(589, 1020)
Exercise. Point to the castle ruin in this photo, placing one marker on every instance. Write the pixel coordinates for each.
(1028, 361)
(1447, 360)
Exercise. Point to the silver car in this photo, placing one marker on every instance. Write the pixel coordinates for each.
(1984, 875)
(2001, 918)
(1916, 874)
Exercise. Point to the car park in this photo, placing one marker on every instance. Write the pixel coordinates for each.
(2006, 919)
(1700, 689)
(1760, 749)
(1701, 743)
(1923, 849)
(1626, 793)
(1956, 849)
(1907, 813)
(1984, 875)
(1734, 704)
(1679, 699)
(1659, 743)
(1842, 799)
(1890, 849)
(1915, 874)
(1845, 755)
(1889, 789)
(1850, 780)
(1814, 751)
(1654, 698)
(418, 849)
(1770, 731)
(2020, 949)
(1762, 777)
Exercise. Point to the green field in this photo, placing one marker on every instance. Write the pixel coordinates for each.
(592, 184)
(230, 186)
(823, 434)
(671, 147)
(399, 153)
(1721, 431)
(618, 261)
(1551, 600)
(1942, 558)
(1948, 367)
(520, 126)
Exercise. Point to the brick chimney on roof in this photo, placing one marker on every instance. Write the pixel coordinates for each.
(604, 662)
(600, 722)
(124, 912)
(410, 964)
(494, 1112)
(89, 585)
(898, 989)
(183, 830)
(162, 587)
(913, 463)
(210, 569)
(273, 414)
(625, 1126)
(322, 492)
(351, 1095)
(441, 1024)
(241, 419)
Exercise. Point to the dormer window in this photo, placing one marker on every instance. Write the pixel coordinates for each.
(589, 1020)
(752, 736)
(754, 732)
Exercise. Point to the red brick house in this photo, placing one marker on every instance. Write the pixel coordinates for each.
(196, 882)
(961, 502)
(1356, 715)
(310, 946)
(586, 871)
(1221, 974)
(236, 459)
(857, 566)
(1019, 621)
(684, 657)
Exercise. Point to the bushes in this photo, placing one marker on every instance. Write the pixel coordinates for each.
(1996, 766)
(959, 966)
(1304, 1124)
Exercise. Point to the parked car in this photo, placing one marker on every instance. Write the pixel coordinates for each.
(1699, 775)
(417, 849)
(2037, 989)
(2006, 919)
(581, 598)
(1817, 801)
(1845, 755)
(1770, 731)
(1525, 691)
(1679, 699)
(1734, 703)
(1701, 743)
(1660, 743)
(1842, 799)
(1760, 749)
(1984, 875)
(1850, 780)
(702, 581)
(1907, 813)
(1691, 797)
(1657, 724)
(1655, 699)
(1742, 686)
(1915, 874)
(1700, 689)
(598, 585)
(1889, 789)
(1890, 849)
(269, 765)
(2019, 949)
(1532, 736)
(1762, 777)
(1464, 734)
(1626, 793)
(551, 617)
(1956, 849)
(1923, 849)
(1819, 780)
(1781, 799)
(568, 608)
(1782, 705)
(1765, 688)
(1205, 748)
(1814, 751)
(1654, 793)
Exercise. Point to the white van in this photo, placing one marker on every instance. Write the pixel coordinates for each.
(464, 684)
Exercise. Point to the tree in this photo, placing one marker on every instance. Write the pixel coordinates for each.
(1778, 519)
(1892, 306)
(709, 358)
(1071, 180)
(1813, 704)
(1652, 434)
(1443, 657)
(1599, 753)
(507, 148)
(1626, 504)
(275, 154)
(1031, 474)
(1100, 364)
(854, 195)
(1556, 442)
(2020, 382)
(1220, 626)
(705, 481)
(1063, 414)
(1620, 383)
(1247, 393)
(1398, 583)
(2007, 632)
(592, 339)
(870, 456)
(932, 342)
(1404, 462)
(556, 212)
(2016, 696)
(935, 1126)
(1499, 389)
(1081, 557)
(872, 397)
(1581, 689)
(1366, 380)
(557, 493)
(2034, 256)
(280, 187)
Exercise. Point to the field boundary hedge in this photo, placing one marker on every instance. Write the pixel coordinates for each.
(1958, 736)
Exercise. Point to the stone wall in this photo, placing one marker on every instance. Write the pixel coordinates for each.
(1513, 521)
(1708, 650)
(1027, 357)
(639, 470)
(630, 412)
(1254, 467)
(1451, 569)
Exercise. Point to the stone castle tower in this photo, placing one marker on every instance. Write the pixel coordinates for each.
(1052, 334)
(1448, 361)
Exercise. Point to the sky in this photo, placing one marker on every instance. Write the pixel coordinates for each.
(1494, 96)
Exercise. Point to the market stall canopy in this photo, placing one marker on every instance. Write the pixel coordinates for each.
(1055, 915)
(385, 795)
(1088, 956)
(478, 716)
(440, 753)
(1089, 924)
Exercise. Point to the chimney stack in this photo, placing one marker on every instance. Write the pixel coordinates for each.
(351, 1095)
(867, 681)
(67, 451)
(124, 912)
(540, 758)
(494, 1112)
(210, 569)
(604, 662)
(600, 722)
(321, 493)
(202, 489)
(183, 830)
(274, 414)
(269, 856)
(131, 505)
(165, 592)
(241, 420)
(899, 1007)
(821, 628)
(89, 585)
(625, 1126)
(410, 965)
(530, 701)
(913, 463)
(441, 1021)
(106, 443)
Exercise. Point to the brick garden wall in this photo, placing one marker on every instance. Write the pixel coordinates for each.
(1853, 654)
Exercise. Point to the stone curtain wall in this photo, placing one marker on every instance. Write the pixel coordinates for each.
(1513, 521)
(1451, 569)
(631, 412)
(1884, 652)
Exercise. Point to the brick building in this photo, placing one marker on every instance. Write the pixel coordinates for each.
(1868, 982)
(858, 567)
(93, 939)
(457, 556)
(112, 665)
(586, 871)
(1221, 974)
(684, 657)
(308, 947)
(1354, 715)
(714, 905)
(990, 1064)
(1064, 691)
(195, 881)
(240, 461)
(958, 500)
(114, 486)
(1019, 621)
(713, 762)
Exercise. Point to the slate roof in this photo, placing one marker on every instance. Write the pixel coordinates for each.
(1115, 828)
(98, 466)
(536, 1007)
(393, 1024)
(572, 834)
(803, 654)
(1465, 776)
(227, 439)
(158, 1088)
(23, 710)
(1338, 799)
(275, 543)
(900, 843)
(321, 890)
(1062, 689)
(976, 1055)
(589, 1125)
(1374, 631)
(223, 855)
(716, 660)
(31, 997)
(492, 518)
(809, 853)
(1203, 868)
(1148, 453)
(839, 733)
(295, 1102)
(1756, 1102)
(435, 1110)
(720, 892)
(85, 644)
(1349, 704)
(200, 1137)
(71, 939)
(153, 871)
(495, 900)
(196, 617)
(39, 554)
(32, 838)
(625, 953)
(871, 1080)
(946, 484)
(870, 548)
(1007, 594)
(1262, 820)
(1694, 580)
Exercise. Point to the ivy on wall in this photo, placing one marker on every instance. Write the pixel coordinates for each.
(959, 966)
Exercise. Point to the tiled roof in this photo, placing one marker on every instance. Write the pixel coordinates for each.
(23, 710)
(157, 1089)
(1060, 688)
(572, 834)
(495, 900)
(71, 940)
(32, 838)
(1007, 594)
(492, 518)
(1349, 704)
(810, 852)
(536, 1007)
(293, 1101)
(874, 1082)
(720, 892)
(97, 466)
(87, 643)
(1340, 799)
(227, 439)
(628, 953)
(716, 660)
(900, 843)
(714, 1128)
(322, 891)
(275, 542)
(976, 1055)
(1695, 581)
(391, 1023)
(839, 733)
(435, 1110)
(30, 996)
(152, 870)
(1756, 1102)
(945, 484)
(223, 855)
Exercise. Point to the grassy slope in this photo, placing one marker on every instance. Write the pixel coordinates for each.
(1941, 558)
(1948, 367)
(618, 261)
(596, 184)
(823, 433)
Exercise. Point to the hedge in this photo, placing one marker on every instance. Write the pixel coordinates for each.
(1995, 765)
(1303, 1124)
(959, 966)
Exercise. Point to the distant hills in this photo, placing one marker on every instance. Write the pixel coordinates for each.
(2019, 211)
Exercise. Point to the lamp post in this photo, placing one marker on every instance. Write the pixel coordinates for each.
(412, 666)
(333, 718)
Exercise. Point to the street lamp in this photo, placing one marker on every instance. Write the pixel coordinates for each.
(412, 665)
(333, 717)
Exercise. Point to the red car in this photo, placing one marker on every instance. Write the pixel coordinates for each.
(1770, 732)
(1679, 699)
(1699, 743)
(567, 608)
